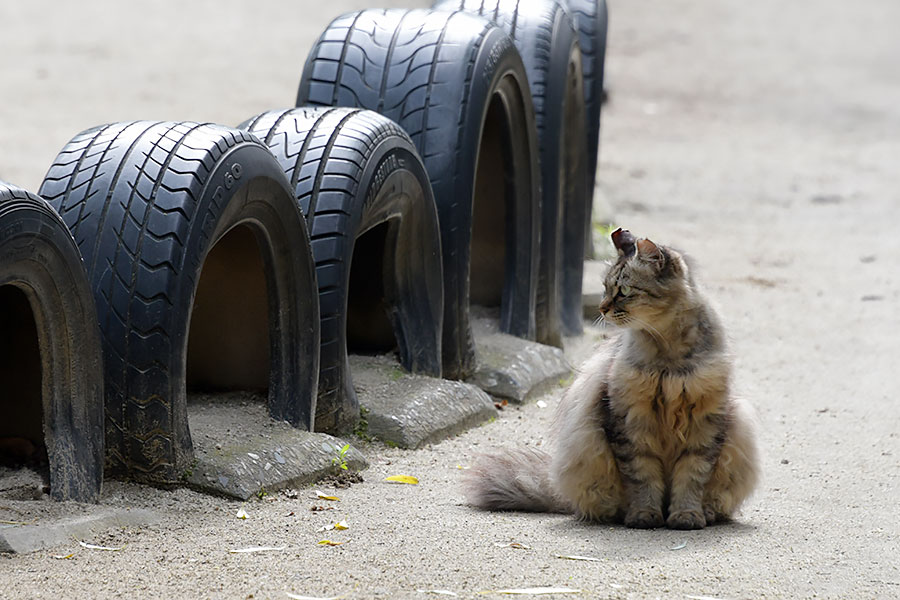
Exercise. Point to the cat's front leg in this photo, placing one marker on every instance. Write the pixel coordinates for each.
(643, 477)
(640, 468)
(689, 476)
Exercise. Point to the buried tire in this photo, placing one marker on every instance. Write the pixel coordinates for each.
(591, 21)
(50, 359)
(188, 228)
(457, 85)
(545, 37)
(368, 203)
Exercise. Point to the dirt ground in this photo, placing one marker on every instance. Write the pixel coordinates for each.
(761, 137)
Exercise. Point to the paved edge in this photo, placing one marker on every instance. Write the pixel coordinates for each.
(274, 462)
(512, 368)
(410, 411)
(31, 538)
(592, 288)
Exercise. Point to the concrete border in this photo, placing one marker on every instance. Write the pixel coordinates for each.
(31, 538)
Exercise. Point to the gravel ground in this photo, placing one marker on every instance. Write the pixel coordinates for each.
(761, 137)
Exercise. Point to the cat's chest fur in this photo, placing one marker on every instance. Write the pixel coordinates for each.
(666, 412)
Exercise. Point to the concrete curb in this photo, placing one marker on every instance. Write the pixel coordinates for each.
(513, 368)
(592, 288)
(289, 458)
(31, 538)
(411, 410)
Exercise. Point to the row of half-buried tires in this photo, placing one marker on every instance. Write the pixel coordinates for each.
(201, 268)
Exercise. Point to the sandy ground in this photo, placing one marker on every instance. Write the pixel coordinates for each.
(762, 137)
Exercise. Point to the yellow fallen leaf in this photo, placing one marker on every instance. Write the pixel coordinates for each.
(403, 479)
(341, 525)
(241, 514)
(329, 543)
(322, 496)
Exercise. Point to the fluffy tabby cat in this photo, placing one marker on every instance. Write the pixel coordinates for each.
(649, 433)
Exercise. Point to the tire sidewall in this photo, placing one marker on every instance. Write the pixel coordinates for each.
(280, 227)
(39, 256)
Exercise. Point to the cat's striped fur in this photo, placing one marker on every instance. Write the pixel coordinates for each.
(649, 433)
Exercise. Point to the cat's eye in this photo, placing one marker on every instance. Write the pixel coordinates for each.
(626, 290)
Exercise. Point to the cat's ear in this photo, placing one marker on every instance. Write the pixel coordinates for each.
(623, 241)
(649, 251)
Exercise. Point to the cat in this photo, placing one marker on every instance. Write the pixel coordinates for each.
(649, 433)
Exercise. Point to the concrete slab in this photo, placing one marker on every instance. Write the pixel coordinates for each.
(412, 410)
(240, 451)
(39, 536)
(592, 287)
(510, 367)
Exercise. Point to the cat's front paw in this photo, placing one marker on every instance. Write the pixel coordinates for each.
(644, 518)
(686, 519)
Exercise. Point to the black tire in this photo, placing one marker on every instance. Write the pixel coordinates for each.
(457, 85)
(147, 203)
(355, 170)
(545, 37)
(591, 22)
(50, 358)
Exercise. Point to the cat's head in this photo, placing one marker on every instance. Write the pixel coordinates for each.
(646, 285)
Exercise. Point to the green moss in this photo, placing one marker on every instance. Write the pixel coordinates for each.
(362, 427)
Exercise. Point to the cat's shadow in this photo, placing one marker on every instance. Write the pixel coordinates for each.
(617, 542)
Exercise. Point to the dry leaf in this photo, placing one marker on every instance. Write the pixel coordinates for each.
(256, 549)
(516, 545)
(322, 496)
(403, 479)
(536, 591)
(438, 592)
(329, 543)
(341, 525)
(63, 557)
(93, 547)
(241, 514)
(576, 557)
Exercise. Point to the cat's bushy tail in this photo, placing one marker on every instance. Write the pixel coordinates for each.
(515, 480)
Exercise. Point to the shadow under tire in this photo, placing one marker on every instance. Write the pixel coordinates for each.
(147, 202)
(40, 263)
(546, 39)
(354, 171)
(591, 22)
(456, 84)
